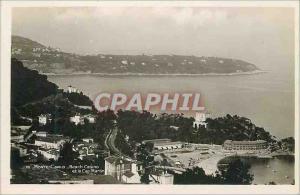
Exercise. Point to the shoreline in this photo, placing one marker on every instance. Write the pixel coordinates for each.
(162, 74)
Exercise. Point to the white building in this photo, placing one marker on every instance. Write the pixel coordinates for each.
(49, 153)
(124, 170)
(41, 134)
(156, 140)
(86, 149)
(72, 89)
(125, 62)
(51, 141)
(200, 119)
(132, 176)
(90, 118)
(161, 178)
(88, 140)
(168, 145)
(77, 119)
(44, 119)
(17, 138)
(165, 144)
(38, 55)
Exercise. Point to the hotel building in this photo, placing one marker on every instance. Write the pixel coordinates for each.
(245, 145)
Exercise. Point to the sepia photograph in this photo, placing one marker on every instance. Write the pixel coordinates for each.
(170, 94)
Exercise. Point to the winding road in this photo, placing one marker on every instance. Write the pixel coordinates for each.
(110, 142)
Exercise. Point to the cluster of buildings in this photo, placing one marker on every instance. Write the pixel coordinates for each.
(50, 141)
(38, 52)
(72, 89)
(79, 119)
(87, 149)
(16, 51)
(46, 145)
(46, 49)
(49, 145)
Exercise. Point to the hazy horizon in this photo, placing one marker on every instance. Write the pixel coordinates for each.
(263, 36)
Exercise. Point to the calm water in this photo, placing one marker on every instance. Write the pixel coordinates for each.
(280, 170)
(267, 99)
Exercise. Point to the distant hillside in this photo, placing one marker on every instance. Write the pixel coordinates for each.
(49, 60)
(25, 44)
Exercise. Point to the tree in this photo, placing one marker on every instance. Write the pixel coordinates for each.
(145, 178)
(237, 173)
(145, 157)
(123, 145)
(67, 155)
(16, 161)
(195, 176)
(28, 85)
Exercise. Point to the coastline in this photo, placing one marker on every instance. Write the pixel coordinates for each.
(147, 74)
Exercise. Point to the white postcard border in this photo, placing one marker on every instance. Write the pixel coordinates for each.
(7, 188)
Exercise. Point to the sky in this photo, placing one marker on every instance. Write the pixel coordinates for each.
(263, 36)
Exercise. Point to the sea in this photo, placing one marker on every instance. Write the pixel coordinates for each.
(266, 98)
(278, 170)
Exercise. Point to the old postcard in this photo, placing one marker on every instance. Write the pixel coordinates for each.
(190, 96)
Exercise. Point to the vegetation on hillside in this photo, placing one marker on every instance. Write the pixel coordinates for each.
(123, 145)
(50, 60)
(27, 85)
(288, 144)
(32, 94)
(145, 125)
(78, 99)
(233, 128)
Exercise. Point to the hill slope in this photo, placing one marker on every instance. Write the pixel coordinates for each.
(27, 85)
(50, 60)
(32, 94)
